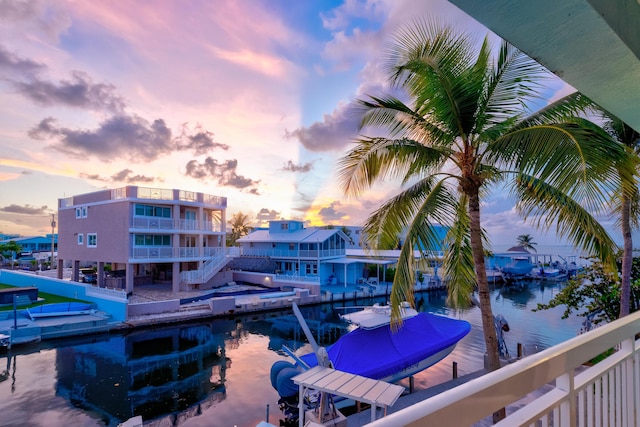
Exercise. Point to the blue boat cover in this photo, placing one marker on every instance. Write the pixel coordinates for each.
(379, 353)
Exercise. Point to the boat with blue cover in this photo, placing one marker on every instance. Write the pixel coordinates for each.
(377, 350)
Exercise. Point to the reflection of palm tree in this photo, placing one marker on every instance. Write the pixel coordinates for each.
(466, 124)
(526, 242)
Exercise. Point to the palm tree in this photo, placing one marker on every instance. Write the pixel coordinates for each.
(525, 241)
(628, 204)
(465, 130)
(239, 224)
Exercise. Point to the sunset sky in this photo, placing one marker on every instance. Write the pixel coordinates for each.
(243, 99)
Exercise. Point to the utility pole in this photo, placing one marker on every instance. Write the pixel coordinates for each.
(53, 226)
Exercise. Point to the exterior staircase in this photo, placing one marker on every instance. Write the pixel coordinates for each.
(209, 269)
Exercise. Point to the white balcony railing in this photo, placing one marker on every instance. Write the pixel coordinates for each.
(605, 394)
(293, 253)
(169, 224)
(153, 252)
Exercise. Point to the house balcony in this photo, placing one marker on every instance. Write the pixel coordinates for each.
(293, 254)
(556, 387)
(170, 225)
(169, 253)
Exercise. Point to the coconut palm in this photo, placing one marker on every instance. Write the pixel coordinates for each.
(464, 130)
(628, 204)
(525, 241)
(239, 224)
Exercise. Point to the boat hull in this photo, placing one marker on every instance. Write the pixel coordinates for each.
(60, 309)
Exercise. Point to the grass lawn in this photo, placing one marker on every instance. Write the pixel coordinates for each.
(46, 299)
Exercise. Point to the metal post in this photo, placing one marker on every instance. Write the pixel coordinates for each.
(455, 370)
(53, 226)
(15, 311)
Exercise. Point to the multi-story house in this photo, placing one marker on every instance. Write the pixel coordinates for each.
(314, 253)
(143, 235)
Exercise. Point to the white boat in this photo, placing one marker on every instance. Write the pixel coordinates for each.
(377, 315)
(377, 350)
(518, 267)
(374, 349)
(60, 309)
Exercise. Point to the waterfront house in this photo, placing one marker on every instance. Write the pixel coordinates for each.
(308, 254)
(143, 236)
(34, 243)
(298, 252)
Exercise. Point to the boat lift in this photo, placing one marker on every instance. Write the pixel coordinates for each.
(331, 382)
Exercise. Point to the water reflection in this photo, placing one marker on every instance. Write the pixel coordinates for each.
(174, 373)
(184, 375)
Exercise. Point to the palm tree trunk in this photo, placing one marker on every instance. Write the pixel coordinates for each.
(488, 324)
(627, 257)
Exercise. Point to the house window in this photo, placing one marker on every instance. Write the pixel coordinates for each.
(311, 268)
(284, 226)
(152, 240)
(81, 212)
(155, 211)
(92, 240)
(80, 239)
(292, 246)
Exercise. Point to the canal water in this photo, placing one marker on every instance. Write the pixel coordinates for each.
(217, 373)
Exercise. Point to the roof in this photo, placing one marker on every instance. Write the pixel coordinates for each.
(39, 239)
(594, 45)
(345, 260)
(306, 235)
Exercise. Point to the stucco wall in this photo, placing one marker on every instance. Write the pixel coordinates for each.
(117, 307)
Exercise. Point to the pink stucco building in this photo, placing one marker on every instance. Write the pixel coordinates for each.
(143, 236)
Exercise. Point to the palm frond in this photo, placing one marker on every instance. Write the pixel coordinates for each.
(548, 206)
(573, 157)
(380, 158)
(458, 263)
(512, 83)
(411, 213)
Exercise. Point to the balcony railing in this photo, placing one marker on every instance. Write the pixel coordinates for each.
(283, 253)
(169, 224)
(169, 252)
(605, 394)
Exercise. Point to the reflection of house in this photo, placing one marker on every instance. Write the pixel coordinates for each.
(153, 373)
(148, 235)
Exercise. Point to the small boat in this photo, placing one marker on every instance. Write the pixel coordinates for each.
(375, 350)
(518, 267)
(60, 309)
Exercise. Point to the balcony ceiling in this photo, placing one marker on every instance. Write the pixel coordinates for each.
(594, 45)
